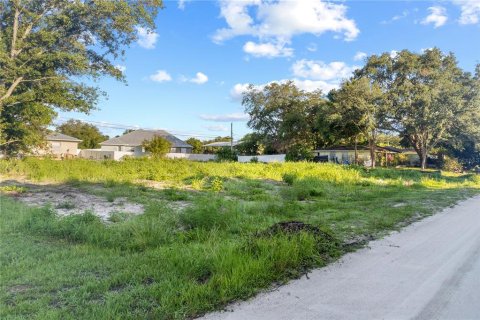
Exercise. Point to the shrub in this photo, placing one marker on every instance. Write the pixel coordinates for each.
(158, 146)
(226, 154)
(451, 164)
(254, 160)
(217, 184)
(299, 153)
(289, 178)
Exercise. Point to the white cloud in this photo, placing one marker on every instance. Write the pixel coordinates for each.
(200, 78)
(146, 38)
(437, 17)
(312, 47)
(404, 14)
(319, 70)
(304, 84)
(121, 68)
(276, 22)
(360, 56)
(237, 91)
(219, 127)
(161, 76)
(269, 50)
(231, 117)
(470, 11)
(313, 85)
(181, 4)
(393, 54)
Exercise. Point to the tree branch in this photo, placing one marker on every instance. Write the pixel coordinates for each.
(15, 31)
(11, 89)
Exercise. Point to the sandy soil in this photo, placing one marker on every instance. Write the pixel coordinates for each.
(68, 200)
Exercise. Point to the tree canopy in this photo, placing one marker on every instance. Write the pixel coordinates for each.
(158, 147)
(88, 133)
(427, 97)
(48, 48)
(196, 144)
(283, 115)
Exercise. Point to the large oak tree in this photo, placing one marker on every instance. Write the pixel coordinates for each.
(428, 97)
(51, 49)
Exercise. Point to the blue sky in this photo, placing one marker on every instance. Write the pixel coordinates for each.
(187, 76)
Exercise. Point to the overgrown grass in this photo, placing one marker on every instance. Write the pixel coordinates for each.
(203, 241)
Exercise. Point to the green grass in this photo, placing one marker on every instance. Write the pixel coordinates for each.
(205, 240)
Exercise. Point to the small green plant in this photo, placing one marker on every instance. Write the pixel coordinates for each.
(289, 178)
(66, 205)
(13, 189)
(254, 160)
(217, 184)
(110, 197)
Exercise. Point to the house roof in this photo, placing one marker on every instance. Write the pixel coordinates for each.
(137, 137)
(221, 144)
(56, 136)
(398, 150)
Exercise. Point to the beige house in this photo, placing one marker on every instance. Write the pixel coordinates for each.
(132, 142)
(60, 145)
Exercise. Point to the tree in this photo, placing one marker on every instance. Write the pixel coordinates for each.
(158, 146)
(46, 46)
(358, 110)
(282, 114)
(425, 95)
(251, 144)
(196, 144)
(88, 133)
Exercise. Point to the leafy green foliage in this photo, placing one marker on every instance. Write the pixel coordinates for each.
(299, 152)
(88, 133)
(158, 146)
(226, 154)
(283, 115)
(196, 144)
(428, 98)
(251, 144)
(452, 165)
(358, 110)
(46, 46)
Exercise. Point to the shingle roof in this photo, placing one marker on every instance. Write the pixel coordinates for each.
(137, 137)
(221, 144)
(56, 136)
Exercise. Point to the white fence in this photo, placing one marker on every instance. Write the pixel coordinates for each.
(191, 156)
(263, 158)
(97, 154)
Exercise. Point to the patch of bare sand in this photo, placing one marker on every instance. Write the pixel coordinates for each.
(67, 200)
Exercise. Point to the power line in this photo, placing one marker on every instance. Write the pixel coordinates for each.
(109, 125)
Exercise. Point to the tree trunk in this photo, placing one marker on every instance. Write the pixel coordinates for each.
(356, 151)
(372, 151)
(423, 158)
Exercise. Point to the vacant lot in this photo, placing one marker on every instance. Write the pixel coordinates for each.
(209, 233)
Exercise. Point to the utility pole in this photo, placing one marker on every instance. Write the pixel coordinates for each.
(231, 136)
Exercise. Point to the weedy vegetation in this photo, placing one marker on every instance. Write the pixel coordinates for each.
(211, 233)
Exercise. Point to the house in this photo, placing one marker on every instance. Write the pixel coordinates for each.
(346, 154)
(60, 145)
(132, 142)
(412, 156)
